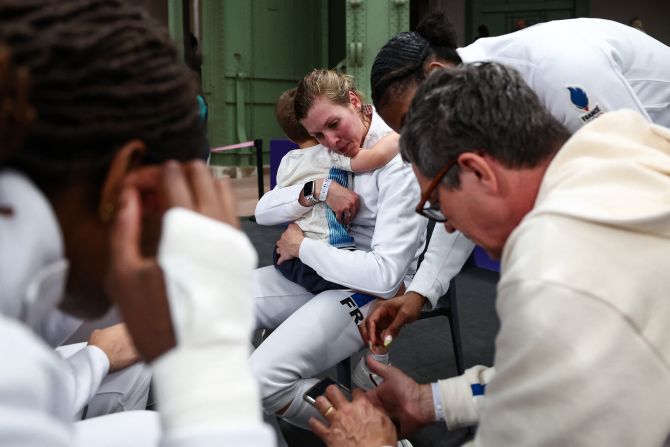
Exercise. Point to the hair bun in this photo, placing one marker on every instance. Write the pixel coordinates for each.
(437, 30)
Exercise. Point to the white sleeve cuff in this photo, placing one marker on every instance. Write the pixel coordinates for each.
(437, 402)
(462, 396)
(89, 367)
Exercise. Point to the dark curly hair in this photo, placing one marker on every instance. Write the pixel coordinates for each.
(102, 73)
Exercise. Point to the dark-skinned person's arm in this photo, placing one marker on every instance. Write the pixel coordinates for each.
(445, 256)
(188, 309)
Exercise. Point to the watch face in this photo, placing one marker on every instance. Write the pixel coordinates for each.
(308, 189)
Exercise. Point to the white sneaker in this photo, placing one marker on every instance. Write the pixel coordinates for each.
(363, 378)
(404, 443)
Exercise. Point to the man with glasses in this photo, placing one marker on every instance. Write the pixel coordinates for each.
(582, 354)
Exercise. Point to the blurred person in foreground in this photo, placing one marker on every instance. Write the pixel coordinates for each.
(95, 214)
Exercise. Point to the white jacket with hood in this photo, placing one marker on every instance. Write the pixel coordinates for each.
(583, 353)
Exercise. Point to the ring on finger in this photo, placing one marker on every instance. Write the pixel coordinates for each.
(328, 411)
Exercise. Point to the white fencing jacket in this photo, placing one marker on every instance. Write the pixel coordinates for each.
(580, 69)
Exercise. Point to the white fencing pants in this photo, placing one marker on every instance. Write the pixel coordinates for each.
(123, 390)
(311, 334)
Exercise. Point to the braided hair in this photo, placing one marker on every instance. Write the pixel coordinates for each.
(401, 61)
(102, 74)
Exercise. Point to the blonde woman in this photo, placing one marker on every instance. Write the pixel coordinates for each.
(314, 332)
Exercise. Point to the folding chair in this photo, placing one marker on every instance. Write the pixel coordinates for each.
(257, 144)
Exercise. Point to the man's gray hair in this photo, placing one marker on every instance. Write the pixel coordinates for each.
(483, 107)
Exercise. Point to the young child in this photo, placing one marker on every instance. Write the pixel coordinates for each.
(312, 162)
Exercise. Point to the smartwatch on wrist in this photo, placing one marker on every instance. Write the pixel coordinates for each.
(308, 192)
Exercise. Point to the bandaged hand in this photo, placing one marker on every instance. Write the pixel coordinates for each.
(189, 310)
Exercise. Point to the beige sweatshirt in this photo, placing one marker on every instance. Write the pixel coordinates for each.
(583, 353)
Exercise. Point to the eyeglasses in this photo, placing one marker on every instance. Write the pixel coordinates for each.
(432, 210)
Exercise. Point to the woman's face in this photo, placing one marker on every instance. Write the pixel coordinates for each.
(337, 127)
(395, 107)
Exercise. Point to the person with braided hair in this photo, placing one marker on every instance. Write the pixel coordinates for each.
(577, 78)
(98, 214)
(615, 67)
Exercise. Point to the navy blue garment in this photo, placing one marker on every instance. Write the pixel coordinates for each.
(304, 275)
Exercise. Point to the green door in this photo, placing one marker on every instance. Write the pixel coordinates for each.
(503, 16)
(370, 24)
(252, 51)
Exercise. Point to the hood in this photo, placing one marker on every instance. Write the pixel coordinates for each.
(33, 270)
(614, 171)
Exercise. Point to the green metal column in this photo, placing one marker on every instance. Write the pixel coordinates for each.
(214, 67)
(176, 25)
(370, 24)
(500, 16)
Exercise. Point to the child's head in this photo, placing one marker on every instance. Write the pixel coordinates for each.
(287, 121)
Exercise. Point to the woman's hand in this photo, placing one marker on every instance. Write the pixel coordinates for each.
(352, 424)
(288, 245)
(343, 202)
(389, 316)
